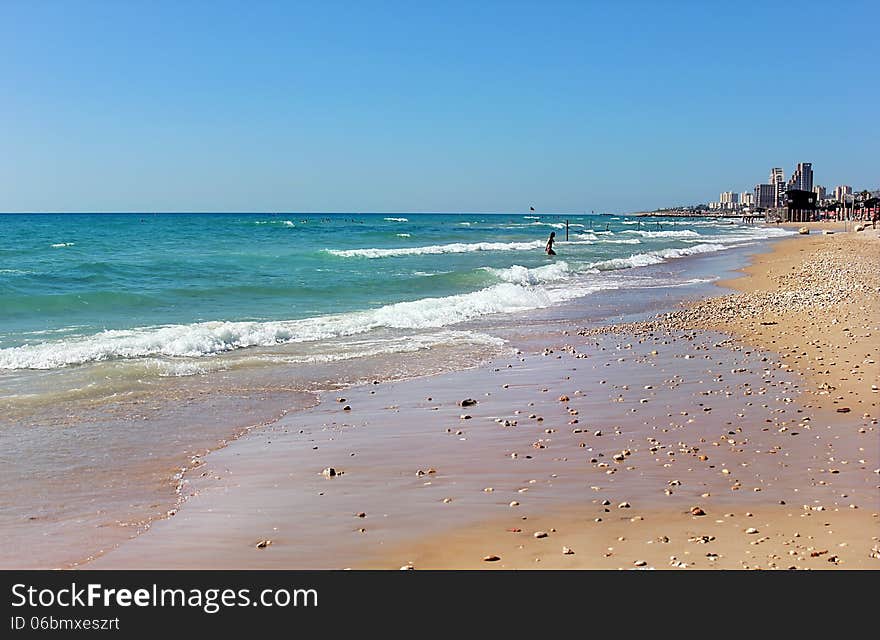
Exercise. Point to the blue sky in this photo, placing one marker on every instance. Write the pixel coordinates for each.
(417, 106)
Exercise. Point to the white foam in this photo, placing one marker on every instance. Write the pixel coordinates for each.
(206, 338)
(396, 219)
(58, 245)
(457, 247)
(592, 237)
(556, 272)
(684, 233)
(742, 234)
(402, 235)
(656, 257)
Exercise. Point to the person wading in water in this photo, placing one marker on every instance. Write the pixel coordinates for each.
(550, 241)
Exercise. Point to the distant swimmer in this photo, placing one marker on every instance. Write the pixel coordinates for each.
(550, 241)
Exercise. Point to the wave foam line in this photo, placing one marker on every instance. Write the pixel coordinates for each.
(523, 276)
(208, 338)
(656, 257)
(457, 247)
(664, 234)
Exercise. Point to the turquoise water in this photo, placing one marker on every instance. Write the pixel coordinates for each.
(81, 288)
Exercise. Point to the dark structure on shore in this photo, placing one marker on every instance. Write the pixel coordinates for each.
(800, 205)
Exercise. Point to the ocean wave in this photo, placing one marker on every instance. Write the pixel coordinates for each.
(747, 234)
(396, 219)
(457, 247)
(553, 225)
(686, 233)
(286, 223)
(403, 235)
(656, 257)
(209, 338)
(516, 274)
(593, 237)
(58, 245)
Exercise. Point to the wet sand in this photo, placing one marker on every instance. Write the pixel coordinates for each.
(661, 444)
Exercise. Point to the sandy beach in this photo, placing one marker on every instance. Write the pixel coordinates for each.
(737, 432)
(814, 302)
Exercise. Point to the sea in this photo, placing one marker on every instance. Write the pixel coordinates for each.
(131, 344)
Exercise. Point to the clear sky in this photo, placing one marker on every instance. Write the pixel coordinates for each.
(416, 106)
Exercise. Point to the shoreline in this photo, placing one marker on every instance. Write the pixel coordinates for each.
(119, 505)
(411, 540)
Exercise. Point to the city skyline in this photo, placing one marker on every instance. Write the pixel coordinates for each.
(569, 107)
(773, 194)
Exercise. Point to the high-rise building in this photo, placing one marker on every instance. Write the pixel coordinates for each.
(777, 179)
(747, 198)
(819, 190)
(841, 191)
(728, 199)
(765, 196)
(802, 178)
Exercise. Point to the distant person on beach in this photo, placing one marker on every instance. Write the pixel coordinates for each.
(550, 241)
